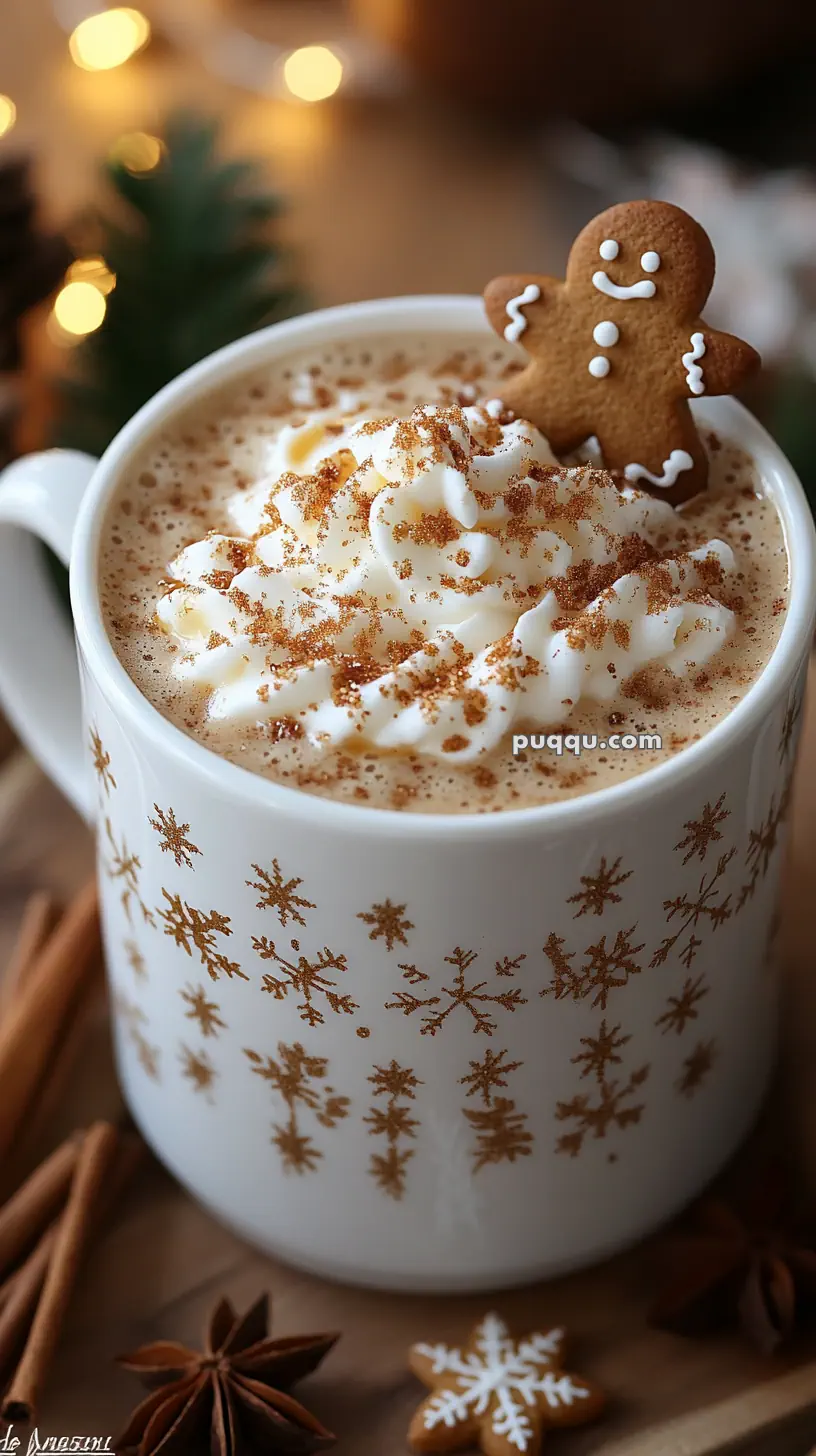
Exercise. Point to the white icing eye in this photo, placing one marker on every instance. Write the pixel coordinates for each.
(606, 334)
(609, 250)
(650, 262)
(599, 367)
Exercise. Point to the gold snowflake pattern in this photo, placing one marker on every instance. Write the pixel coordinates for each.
(705, 831)
(604, 968)
(134, 1021)
(172, 837)
(611, 1104)
(101, 763)
(394, 1123)
(387, 923)
(682, 1009)
(196, 929)
(696, 1068)
(280, 895)
(471, 997)
(599, 890)
(501, 1130)
(762, 843)
(307, 979)
(299, 1079)
(121, 865)
(203, 1011)
(198, 1069)
(135, 960)
(710, 908)
(790, 725)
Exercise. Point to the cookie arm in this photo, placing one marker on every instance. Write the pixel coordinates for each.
(727, 362)
(501, 292)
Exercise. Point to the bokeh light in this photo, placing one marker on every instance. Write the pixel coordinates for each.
(8, 114)
(137, 152)
(93, 270)
(109, 38)
(313, 73)
(79, 308)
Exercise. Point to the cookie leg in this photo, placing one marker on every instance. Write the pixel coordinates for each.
(527, 395)
(667, 458)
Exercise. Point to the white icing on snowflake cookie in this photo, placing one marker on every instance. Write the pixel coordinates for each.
(498, 1393)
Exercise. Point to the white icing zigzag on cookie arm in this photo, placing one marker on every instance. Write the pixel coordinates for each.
(694, 374)
(518, 322)
(644, 289)
(678, 461)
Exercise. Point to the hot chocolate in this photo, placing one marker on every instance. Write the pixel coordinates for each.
(362, 576)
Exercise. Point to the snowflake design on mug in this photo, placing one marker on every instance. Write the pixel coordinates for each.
(470, 995)
(280, 895)
(388, 922)
(299, 1079)
(394, 1123)
(611, 1104)
(501, 1129)
(173, 837)
(307, 978)
(195, 930)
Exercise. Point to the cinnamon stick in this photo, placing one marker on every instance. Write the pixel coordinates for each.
(31, 1027)
(27, 1212)
(22, 1293)
(70, 1236)
(45, 1106)
(37, 920)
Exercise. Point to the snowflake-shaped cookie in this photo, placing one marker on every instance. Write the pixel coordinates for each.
(497, 1393)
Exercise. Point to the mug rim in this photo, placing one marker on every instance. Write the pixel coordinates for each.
(437, 314)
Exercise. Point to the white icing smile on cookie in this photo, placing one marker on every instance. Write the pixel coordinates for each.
(694, 373)
(518, 323)
(644, 288)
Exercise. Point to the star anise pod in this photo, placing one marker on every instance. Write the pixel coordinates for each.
(233, 1398)
(751, 1262)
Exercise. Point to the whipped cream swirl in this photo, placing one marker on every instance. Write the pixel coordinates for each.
(433, 584)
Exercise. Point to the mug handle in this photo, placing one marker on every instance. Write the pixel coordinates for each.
(39, 678)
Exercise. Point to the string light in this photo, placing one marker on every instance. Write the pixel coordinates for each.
(92, 270)
(109, 38)
(313, 73)
(8, 114)
(137, 152)
(79, 308)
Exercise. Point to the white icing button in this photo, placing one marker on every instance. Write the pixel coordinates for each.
(599, 367)
(606, 334)
(609, 250)
(650, 262)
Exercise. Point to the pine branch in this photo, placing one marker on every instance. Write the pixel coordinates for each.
(196, 267)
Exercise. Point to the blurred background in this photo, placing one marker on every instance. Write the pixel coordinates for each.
(176, 174)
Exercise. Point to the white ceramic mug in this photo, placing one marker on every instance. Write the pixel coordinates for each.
(414, 1051)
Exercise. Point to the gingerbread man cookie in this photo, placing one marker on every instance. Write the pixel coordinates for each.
(498, 1394)
(618, 349)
